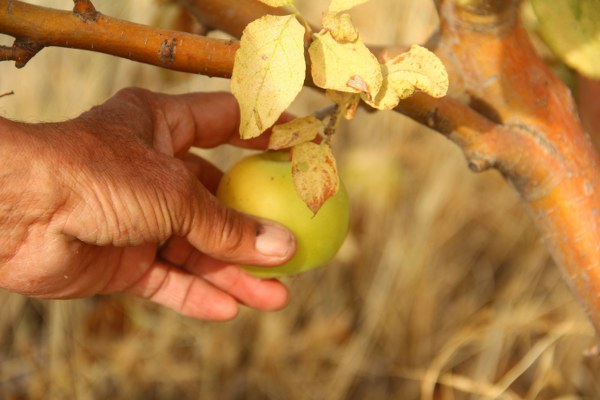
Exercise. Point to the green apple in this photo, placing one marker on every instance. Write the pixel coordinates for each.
(262, 185)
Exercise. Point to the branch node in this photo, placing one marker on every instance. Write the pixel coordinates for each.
(85, 10)
(167, 51)
(479, 164)
(20, 52)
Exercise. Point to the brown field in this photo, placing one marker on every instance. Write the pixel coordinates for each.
(443, 289)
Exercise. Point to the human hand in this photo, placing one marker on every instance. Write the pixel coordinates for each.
(86, 204)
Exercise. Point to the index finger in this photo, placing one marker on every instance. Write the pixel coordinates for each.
(206, 120)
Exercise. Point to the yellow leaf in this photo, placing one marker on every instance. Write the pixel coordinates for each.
(340, 26)
(268, 72)
(297, 131)
(345, 67)
(572, 29)
(277, 3)
(341, 5)
(315, 173)
(417, 69)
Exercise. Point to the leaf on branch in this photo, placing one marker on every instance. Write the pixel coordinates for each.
(572, 29)
(344, 66)
(268, 72)
(340, 26)
(295, 132)
(277, 3)
(417, 69)
(342, 5)
(315, 174)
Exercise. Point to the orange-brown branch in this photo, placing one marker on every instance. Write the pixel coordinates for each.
(85, 10)
(20, 52)
(230, 16)
(544, 150)
(41, 27)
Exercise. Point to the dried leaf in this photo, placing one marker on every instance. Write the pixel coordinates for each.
(345, 67)
(297, 131)
(342, 5)
(571, 28)
(269, 71)
(315, 174)
(340, 26)
(417, 69)
(277, 3)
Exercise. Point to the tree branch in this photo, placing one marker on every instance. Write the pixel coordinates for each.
(230, 16)
(39, 27)
(543, 151)
(20, 52)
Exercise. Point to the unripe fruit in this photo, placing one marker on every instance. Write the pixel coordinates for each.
(262, 185)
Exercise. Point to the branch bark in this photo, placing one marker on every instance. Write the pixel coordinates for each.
(543, 151)
(230, 16)
(86, 29)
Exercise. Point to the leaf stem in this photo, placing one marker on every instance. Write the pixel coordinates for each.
(298, 14)
(334, 122)
(325, 112)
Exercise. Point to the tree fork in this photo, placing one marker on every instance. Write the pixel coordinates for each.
(544, 151)
(85, 10)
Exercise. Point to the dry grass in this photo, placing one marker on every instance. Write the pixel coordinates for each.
(442, 290)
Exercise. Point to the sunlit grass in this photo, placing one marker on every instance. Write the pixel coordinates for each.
(443, 289)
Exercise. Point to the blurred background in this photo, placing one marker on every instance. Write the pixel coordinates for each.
(443, 289)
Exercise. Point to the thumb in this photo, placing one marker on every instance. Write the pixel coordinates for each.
(231, 236)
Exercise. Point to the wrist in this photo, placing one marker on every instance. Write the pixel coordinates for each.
(12, 172)
(25, 183)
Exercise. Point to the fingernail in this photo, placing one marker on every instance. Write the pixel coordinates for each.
(274, 240)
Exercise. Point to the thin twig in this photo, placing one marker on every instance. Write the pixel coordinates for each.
(85, 10)
(12, 92)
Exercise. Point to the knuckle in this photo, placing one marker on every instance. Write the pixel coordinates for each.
(132, 92)
(193, 209)
(229, 237)
(181, 188)
(231, 232)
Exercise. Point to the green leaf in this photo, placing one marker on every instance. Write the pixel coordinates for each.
(297, 131)
(268, 72)
(344, 66)
(315, 174)
(342, 5)
(417, 69)
(572, 30)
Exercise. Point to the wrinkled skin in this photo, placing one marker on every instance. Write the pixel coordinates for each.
(112, 201)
